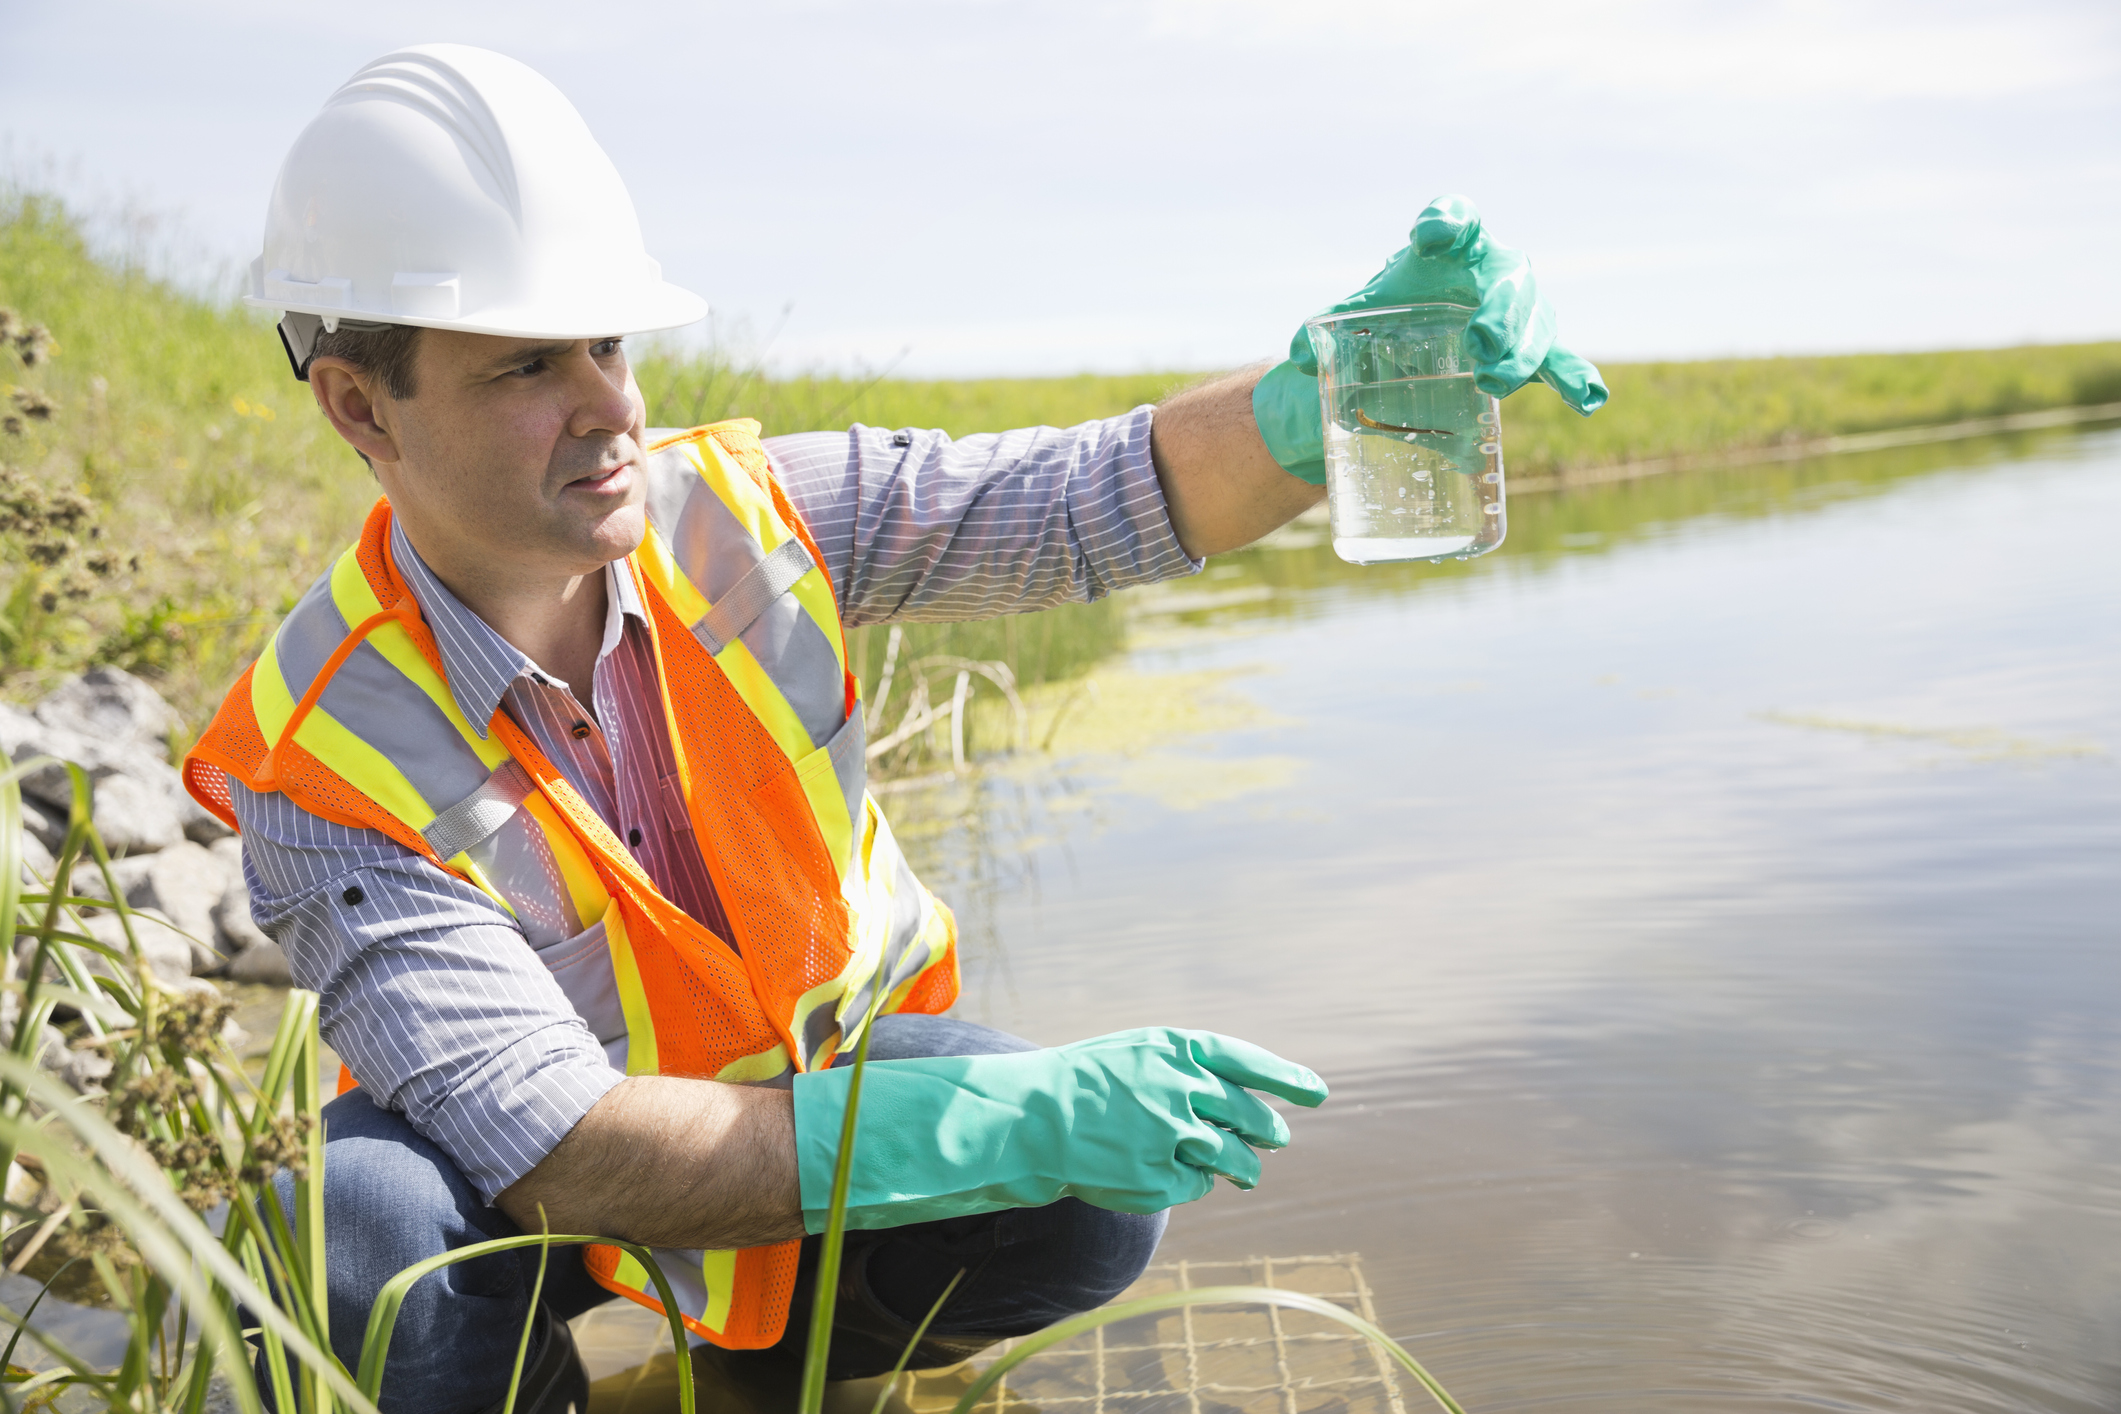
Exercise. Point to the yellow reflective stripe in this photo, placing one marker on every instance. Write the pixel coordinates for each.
(718, 1269)
(356, 601)
(757, 688)
(663, 575)
(814, 592)
(584, 886)
(753, 507)
(270, 701)
(479, 881)
(641, 1053)
(631, 1274)
(747, 500)
(936, 934)
(350, 589)
(750, 1070)
(364, 768)
(880, 860)
(821, 785)
(359, 764)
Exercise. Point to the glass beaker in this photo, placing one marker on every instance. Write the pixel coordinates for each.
(1413, 448)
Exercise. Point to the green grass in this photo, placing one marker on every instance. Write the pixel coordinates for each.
(176, 414)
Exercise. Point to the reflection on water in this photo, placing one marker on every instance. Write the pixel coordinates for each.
(1706, 909)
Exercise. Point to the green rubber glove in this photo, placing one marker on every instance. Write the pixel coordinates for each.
(1449, 260)
(1136, 1122)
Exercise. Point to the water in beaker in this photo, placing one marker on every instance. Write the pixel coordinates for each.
(1413, 448)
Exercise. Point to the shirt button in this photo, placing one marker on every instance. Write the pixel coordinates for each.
(353, 896)
(579, 731)
(633, 837)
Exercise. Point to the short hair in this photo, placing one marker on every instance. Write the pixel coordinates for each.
(382, 351)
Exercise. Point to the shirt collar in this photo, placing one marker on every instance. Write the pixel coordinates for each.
(480, 664)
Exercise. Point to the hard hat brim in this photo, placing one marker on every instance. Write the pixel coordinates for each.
(647, 310)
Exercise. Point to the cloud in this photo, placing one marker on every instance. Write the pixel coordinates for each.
(1775, 51)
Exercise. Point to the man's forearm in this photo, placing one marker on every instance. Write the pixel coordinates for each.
(672, 1163)
(1221, 486)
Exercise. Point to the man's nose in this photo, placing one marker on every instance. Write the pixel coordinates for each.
(602, 402)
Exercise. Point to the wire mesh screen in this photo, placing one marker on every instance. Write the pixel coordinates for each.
(1200, 1359)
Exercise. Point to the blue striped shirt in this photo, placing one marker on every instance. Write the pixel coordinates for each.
(445, 1007)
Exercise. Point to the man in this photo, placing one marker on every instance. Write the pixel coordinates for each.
(554, 785)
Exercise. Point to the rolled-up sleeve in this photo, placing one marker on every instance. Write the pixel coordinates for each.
(429, 992)
(919, 526)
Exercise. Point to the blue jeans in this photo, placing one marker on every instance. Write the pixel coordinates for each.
(391, 1199)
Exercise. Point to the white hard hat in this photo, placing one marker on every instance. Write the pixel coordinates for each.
(454, 188)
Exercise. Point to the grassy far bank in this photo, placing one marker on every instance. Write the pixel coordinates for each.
(220, 492)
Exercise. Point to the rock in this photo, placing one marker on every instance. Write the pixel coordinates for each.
(37, 861)
(136, 816)
(186, 883)
(167, 952)
(261, 962)
(201, 826)
(81, 1067)
(136, 791)
(256, 958)
(44, 824)
(113, 706)
(238, 932)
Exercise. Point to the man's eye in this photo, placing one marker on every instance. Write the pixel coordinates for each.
(528, 370)
(605, 348)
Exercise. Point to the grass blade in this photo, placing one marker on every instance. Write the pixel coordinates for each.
(812, 1397)
(1201, 1296)
(530, 1323)
(169, 1237)
(383, 1315)
(883, 1395)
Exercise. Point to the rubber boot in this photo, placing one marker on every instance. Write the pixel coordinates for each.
(554, 1380)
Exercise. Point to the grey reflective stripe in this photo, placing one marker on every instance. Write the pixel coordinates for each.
(518, 862)
(711, 546)
(798, 656)
(748, 589)
(672, 480)
(750, 596)
(904, 957)
(308, 636)
(370, 697)
(850, 765)
(481, 813)
(376, 702)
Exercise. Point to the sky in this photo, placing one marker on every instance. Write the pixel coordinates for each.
(1003, 187)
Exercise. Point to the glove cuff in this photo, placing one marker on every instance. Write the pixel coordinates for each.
(820, 1109)
(1285, 405)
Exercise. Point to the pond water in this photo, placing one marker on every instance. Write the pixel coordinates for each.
(1707, 910)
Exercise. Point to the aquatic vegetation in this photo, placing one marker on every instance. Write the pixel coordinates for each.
(1975, 743)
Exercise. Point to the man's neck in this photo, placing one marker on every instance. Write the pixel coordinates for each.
(555, 620)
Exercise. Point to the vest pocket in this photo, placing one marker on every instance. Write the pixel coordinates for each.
(582, 966)
(833, 779)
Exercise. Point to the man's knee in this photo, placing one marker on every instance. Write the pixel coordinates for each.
(905, 1035)
(1024, 1268)
(392, 1198)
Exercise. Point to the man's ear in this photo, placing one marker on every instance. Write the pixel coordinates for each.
(346, 395)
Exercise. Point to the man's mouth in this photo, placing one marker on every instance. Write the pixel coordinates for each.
(611, 478)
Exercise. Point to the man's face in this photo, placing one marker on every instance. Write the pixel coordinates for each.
(524, 453)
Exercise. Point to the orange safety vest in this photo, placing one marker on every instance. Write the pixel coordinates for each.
(348, 712)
